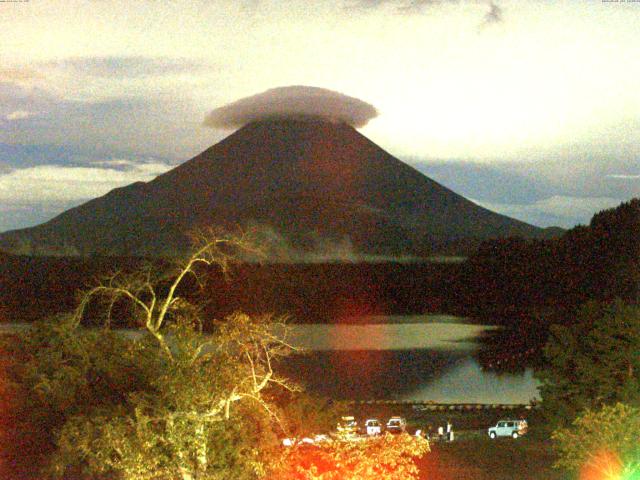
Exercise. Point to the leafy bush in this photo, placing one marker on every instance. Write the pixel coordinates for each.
(592, 363)
(603, 444)
(387, 457)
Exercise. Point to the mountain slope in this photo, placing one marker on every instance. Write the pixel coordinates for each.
(312, 184)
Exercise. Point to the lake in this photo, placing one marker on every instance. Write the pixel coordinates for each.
(413, 357)
(420, 358)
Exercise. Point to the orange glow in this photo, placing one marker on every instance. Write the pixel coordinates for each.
(604, 465)
(352, 311)
(304, 459)
(349, 310)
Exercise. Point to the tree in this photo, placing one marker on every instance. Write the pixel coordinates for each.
(602, 444)
(593, 362)
(171, 402)
(306, 415)
(386, 457)
(53, 371)
(616, 251)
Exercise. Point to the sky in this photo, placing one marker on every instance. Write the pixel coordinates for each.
(530, 108)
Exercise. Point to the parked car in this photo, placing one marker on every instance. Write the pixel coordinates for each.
(373, 426)
(396, 425)
(347, 426)
(508, 428)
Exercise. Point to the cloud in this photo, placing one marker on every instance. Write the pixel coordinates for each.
(16, 216)
(19, 115)
(118, 125)
(294, 101)
(557, 210)
(128, 66)
(569, 174)
(489, 182)
(59, 184)
(23, 156)
(402, 6)
(32, 195)
(493, 16)
(570, 207)
(623, 176)
(115, 163)
(249, 6)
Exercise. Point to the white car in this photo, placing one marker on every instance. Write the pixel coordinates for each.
(373, 427)
(508, 428)
(347, 426)
(396, 425)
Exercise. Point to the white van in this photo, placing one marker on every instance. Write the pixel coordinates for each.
(373, 426)
(508, 428)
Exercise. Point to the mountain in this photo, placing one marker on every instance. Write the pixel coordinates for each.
(310, 185)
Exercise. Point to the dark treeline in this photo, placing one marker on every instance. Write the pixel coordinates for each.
(531, 285)
(38, 287)
(33, 288)
(527, 284)
(334, 292)
(509, 278)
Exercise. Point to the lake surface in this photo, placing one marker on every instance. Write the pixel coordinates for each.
(418, 358)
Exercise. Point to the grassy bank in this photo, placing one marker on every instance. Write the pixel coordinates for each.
(527, 458)
(473, 455)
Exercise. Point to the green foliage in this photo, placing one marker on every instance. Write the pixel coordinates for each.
(122, 408)
(387, 457)
(197, 413)
(51, 372)
(604, 442)
(162, 402)
(592, 363)
(306, 415)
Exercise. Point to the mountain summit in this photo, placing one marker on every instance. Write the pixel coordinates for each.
(311, 185)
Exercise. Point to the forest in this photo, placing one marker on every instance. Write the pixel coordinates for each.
(511, 281)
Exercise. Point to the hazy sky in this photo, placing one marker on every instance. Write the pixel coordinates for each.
(531, 108)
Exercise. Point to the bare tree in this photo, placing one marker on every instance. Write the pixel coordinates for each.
(142, 288)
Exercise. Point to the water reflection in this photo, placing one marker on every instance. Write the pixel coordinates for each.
(466, 382)
(411, 336)
(430, 360)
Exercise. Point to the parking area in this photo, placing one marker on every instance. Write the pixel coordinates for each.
(440, 424)
(465, 420)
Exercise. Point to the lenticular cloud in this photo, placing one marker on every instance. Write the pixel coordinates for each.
(292, 102)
